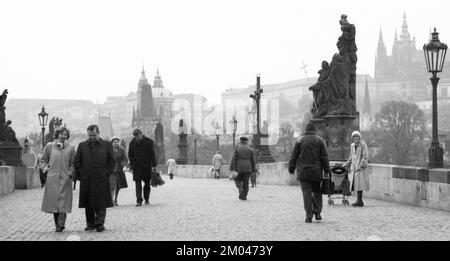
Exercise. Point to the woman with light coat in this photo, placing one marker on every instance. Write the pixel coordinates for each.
(58, 161)
(357, 165)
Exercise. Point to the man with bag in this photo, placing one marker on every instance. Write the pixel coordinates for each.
(244, 163)
(142, 157)
(310, 158)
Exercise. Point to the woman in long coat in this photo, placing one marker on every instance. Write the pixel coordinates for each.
(58, 161)
(217, 164)
(118, 180)
(357, 164)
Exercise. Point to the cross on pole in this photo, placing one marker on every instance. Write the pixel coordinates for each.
(257, 97)
(307, 79)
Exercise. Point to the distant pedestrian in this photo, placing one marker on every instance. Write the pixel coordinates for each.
(244, 163)
(142, 157)
(118, 180)
(357, 164)
(310, 158)
(171, 166)
(58, 162)
(94, 164)
(42, 174)
(217, 163)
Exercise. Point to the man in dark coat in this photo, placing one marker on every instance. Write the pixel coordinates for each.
(244, 163)
(94, 164)
(142, 157)
(310, 157)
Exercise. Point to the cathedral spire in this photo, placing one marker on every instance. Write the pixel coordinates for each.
(366, 108)
(381, 48)
(405, 34)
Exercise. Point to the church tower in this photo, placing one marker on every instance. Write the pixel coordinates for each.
(381, 63)
(144, 117)
(366, 109)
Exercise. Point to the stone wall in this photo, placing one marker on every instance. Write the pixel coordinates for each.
(26, 178)
(7, 179)
(403, 184)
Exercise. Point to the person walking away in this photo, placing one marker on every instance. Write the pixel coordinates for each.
(94, 164)
(118, 180)
(42, 174)
(244, 163)
(58, 160)
(217, 163)
(310, 157)
(171, 166)
(142, 157)
(357, 163)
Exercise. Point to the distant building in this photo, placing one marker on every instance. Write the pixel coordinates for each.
(105, 127)
(403, 74)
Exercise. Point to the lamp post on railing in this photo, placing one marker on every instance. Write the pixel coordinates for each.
(43, 117)
(234, 122)
(435, 52)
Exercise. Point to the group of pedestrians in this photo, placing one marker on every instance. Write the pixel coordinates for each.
(99, 166)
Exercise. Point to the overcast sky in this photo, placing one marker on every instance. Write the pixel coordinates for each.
(91, 49)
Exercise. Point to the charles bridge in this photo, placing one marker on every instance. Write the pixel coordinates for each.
(404, 203)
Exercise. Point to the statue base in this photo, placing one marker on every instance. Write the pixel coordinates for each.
(11, 153)
(182, 146)
(336, 130)
(262, 151)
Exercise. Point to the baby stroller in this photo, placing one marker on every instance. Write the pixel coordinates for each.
(338, 183)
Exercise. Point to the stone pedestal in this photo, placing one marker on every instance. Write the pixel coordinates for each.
(336, 131)
(11, 153)
(182, 146)
(262, 151)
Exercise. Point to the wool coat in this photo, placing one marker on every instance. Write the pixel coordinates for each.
(217, 161)
(357, 164)
(309, 157)
(94, 164)
(142, 158)
(118, 179)
(243, 160)
(58, 187)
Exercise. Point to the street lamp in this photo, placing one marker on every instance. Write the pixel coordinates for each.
(43, 117)
(435, 52)
(195, 145)
(234, 122)
(217, 127)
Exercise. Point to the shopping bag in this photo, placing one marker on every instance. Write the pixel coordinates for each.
(156, 179)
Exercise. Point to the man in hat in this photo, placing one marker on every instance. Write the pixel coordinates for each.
(244, 163)
(142, 157)
(310, 158)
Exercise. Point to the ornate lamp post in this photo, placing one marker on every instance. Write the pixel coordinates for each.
(43, 117)
(435, 52)
(195, 145)
(234, 122)
(217, 127)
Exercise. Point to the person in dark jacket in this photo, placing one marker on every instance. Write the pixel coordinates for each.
(142, 157)
(310, 158)
(244, 163)
(94, 164)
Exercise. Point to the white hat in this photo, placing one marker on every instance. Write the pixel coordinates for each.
(356, 133)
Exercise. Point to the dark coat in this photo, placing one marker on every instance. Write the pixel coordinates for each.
(243, 160)
(94, 164)
(142, 158)
(118, 179)
(310, 157)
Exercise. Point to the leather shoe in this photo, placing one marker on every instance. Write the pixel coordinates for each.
(147, 202)
(59, 228)
(317, 216)
(89, 228)
(100, 228)
(138, 204)
(308, 220)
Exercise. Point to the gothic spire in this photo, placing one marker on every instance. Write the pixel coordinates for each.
(366, 108)
(381, 48)
(405, 34)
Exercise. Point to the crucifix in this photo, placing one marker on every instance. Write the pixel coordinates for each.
(257, 97)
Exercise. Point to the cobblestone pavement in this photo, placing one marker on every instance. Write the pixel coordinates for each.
(207, 209)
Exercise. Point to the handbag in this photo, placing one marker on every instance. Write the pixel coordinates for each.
(233, 174)
(156, 179)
